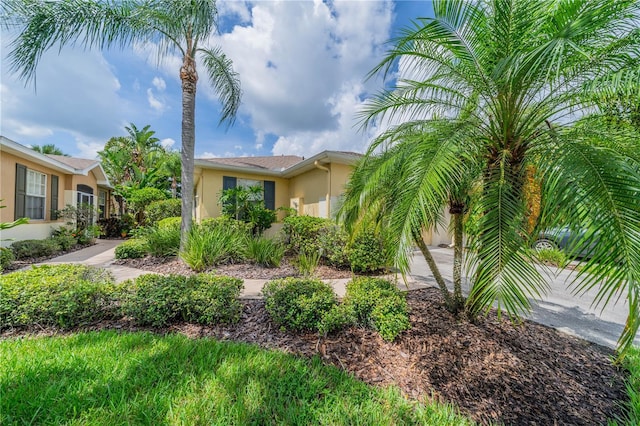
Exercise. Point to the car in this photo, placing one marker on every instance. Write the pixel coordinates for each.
(566, 240)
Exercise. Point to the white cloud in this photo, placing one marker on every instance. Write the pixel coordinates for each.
(207, 155)
(89, 149)
(154, 102)
(234, 9)
(159, 84)
(167, 143)
(302, 66)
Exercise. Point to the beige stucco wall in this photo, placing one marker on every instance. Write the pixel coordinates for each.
(8, 184)
(311, 188)
(209, 188)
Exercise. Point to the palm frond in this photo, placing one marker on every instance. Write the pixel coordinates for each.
(225, 82)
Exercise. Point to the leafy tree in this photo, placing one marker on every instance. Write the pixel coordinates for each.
(48, 149)
(174, 26)
(494, 89)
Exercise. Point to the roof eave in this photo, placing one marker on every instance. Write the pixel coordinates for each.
(225, 167)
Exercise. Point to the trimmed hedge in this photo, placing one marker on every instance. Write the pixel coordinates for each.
(6, 257)
(378, 302)
(60, 295)
(132, 249)
(26, 249)
(298, 303)
(159, 300)
(158, 210)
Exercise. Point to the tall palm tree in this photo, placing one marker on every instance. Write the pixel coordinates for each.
(143, 144)
(175, 26)
(495, 89)
(48, 149)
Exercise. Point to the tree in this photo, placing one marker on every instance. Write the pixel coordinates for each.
(495, 89)
(48, 149)
(173, 25)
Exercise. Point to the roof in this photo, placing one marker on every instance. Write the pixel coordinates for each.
(283, 166)
(76, 163)
(274, 163)
(60, 163)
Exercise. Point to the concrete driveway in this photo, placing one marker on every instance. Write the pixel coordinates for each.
(572, 314)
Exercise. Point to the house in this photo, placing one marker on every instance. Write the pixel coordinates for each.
(311, 186)
(36, 185)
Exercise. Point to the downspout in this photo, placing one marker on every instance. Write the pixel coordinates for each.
(326, 169)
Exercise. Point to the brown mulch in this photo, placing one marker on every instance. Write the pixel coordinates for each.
(19, 264)
(172, 265)
(492, 370)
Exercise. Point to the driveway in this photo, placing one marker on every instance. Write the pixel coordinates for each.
(572, 314)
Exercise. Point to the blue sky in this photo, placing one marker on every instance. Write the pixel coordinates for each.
(302, 66)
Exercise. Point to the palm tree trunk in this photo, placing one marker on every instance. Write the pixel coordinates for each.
(448, 300)
(458, 300)
(189, 78)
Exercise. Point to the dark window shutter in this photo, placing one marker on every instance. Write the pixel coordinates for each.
(54, 197)
(229, 182)
(21, 191)
(270, 194)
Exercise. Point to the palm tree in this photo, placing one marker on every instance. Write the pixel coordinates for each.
(175, 26)
(48, 149)
(495, 89)
(171, 167)
(143, 144)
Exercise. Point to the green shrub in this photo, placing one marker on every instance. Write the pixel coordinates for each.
(154, 300)
(301, 233)
(209, 246)
(228, 223)
(116, 227)
(266, 252)
(140, 199)
(367, 253)
(336, 319)
(333, 241)
(390, 316)
(170, 222)
(132, 249)
(65, 237)
(6, 257)
(162, 209)
(377, 302)
(60, 295)
(552, 257)
(298, 304)
(212, 299)
(163, 241)
(159, 300)
(34, 248)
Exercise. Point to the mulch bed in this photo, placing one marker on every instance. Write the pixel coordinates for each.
(19, 264)
(492, 370)
(173, 265)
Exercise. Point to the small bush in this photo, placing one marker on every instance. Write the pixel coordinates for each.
(209, 246)
(170, 222)
(162, 209)
(227, 223)
(212, 299)
(338, 318)
(116, 227)
(6, 257)
(301, 233)
(159, 300)
(390, 316)
(265, 251)
(552, 257)
(132, 249)
(367, 252)
(59, 295)
(377, 302)
(333, 241)
(163, 241)
(154, 300)
(298, 304)
(34, 248)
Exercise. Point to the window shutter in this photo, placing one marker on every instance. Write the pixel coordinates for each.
(54, 197)
(270, 194)
(21, 191)
(229, 182)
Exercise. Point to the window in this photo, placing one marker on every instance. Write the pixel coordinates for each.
(268, 193)
(102, 203)
(35, 194)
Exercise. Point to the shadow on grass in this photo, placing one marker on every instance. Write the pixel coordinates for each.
(141, 378)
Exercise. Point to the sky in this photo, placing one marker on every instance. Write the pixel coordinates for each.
(302, 67)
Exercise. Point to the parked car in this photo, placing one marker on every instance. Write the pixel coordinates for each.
(566, 240)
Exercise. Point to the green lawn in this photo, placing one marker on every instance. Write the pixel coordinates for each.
(141, 378)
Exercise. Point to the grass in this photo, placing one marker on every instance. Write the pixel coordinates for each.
(142, 378)
(632, 364)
